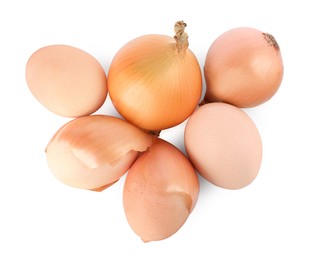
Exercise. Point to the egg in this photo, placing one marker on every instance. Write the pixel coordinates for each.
(160, 191)
(66, 80)
(91, 152)
(224, 145)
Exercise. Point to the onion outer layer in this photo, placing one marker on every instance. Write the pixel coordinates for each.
(243, 67)
(155, 81)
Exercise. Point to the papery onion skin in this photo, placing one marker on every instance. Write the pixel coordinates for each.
(153, 83)
(160, 191)
(66, 80)
(92, 152)
(243, 67)
(224, 145)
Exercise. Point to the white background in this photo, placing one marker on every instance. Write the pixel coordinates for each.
(277, 217)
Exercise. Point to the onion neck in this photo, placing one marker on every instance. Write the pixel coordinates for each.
(181, 37)
(271, 41)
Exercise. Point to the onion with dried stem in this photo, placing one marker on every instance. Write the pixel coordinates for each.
(155, 81)
(243, 67)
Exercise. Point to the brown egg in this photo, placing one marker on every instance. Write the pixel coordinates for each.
(224, 145)
(160, 191)
(66, 80)
(91, 152)
(67, 168)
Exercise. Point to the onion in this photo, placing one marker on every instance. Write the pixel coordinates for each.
(92, 152)
(160, 191)
(243, 67)
(155, 81)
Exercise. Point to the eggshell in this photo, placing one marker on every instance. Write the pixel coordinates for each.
(160, 191)
(66, 80)
(67, 168)
(224, 145)
(93, 151)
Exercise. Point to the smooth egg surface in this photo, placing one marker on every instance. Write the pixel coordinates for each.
(67, 168)
(224, 145)
(66, 80)
(160, 191)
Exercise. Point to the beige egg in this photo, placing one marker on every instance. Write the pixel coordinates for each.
(160, 191)
(224, 145)
(91, 152)
(66, 80)
(67, 168)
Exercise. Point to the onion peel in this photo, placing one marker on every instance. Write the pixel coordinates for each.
(155, 81)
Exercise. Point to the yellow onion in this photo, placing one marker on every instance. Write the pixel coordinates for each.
(160, 191)
(155, 81)
(243, 67)
(92, 152)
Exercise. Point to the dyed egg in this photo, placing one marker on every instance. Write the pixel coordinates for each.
(66, 80)
(224, 145)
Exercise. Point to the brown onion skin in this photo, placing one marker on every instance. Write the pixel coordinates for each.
(160, 191)
(152, 84)
(243, 67)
